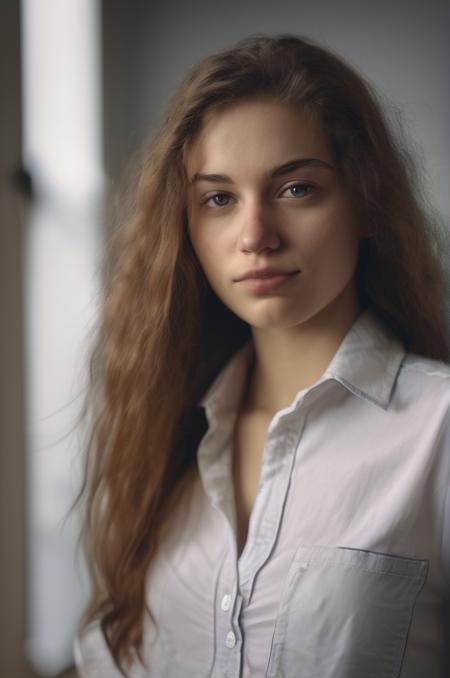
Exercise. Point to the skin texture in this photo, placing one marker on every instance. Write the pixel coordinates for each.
(299, 222)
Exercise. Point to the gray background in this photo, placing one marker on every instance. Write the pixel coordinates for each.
(400, 46)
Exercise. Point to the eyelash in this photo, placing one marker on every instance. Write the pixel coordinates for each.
(302, 185)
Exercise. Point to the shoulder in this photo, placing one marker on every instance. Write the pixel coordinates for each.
(420, 403)
(426, 378)
(425, 384)
(427, 368)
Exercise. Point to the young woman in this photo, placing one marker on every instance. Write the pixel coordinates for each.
(268, 480)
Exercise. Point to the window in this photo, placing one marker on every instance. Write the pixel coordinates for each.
(62, 151)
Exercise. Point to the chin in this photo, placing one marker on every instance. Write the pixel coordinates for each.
(273, 319)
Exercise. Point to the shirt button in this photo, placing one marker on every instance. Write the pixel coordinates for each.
(231, 640)
(226, 602)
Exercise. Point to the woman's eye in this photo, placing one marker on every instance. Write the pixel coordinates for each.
(299, 190)
(218, 199)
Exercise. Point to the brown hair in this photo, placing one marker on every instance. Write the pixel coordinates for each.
(164, 335)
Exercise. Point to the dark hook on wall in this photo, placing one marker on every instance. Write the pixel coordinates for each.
(22, 182)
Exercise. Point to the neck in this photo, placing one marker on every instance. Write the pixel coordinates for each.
(289, 360)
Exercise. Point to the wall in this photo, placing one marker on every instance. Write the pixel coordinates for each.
(12, 437)
(401, 47)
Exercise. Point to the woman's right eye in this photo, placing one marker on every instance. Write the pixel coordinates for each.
(218, 200)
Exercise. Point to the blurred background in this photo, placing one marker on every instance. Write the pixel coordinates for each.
(82, 84)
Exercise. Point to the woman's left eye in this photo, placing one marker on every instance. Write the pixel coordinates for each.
(218, 200)
(299, 190)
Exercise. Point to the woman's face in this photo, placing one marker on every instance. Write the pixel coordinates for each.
(269, 217)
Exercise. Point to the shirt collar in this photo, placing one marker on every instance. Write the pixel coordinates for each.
(366, 362)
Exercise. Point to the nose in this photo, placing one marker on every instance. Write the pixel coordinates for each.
(258, 231)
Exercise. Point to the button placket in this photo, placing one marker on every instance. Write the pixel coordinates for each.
(269, 505)
(228, 635)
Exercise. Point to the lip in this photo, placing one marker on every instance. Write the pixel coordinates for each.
(265, 280)
(264, 273)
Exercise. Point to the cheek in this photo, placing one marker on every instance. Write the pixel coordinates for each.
(197, 238)
(210, 243)
(208, 252)
(331, 241)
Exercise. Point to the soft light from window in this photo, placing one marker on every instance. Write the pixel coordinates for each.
(63, 153)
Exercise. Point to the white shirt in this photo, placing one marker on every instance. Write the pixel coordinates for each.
(346, 568)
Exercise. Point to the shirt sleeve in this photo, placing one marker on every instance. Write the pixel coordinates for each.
(446, 518)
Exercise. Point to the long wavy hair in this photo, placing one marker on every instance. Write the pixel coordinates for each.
(164, 335)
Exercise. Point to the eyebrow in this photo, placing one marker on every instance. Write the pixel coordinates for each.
(280, 171)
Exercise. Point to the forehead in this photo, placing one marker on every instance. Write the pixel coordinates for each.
(255, 133)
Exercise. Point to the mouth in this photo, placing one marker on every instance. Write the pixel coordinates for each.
(266, 280)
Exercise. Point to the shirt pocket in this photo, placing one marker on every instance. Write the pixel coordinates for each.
(345, 613)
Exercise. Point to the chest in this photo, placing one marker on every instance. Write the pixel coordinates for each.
(340, 565)
(249, 439)
(325, 575)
